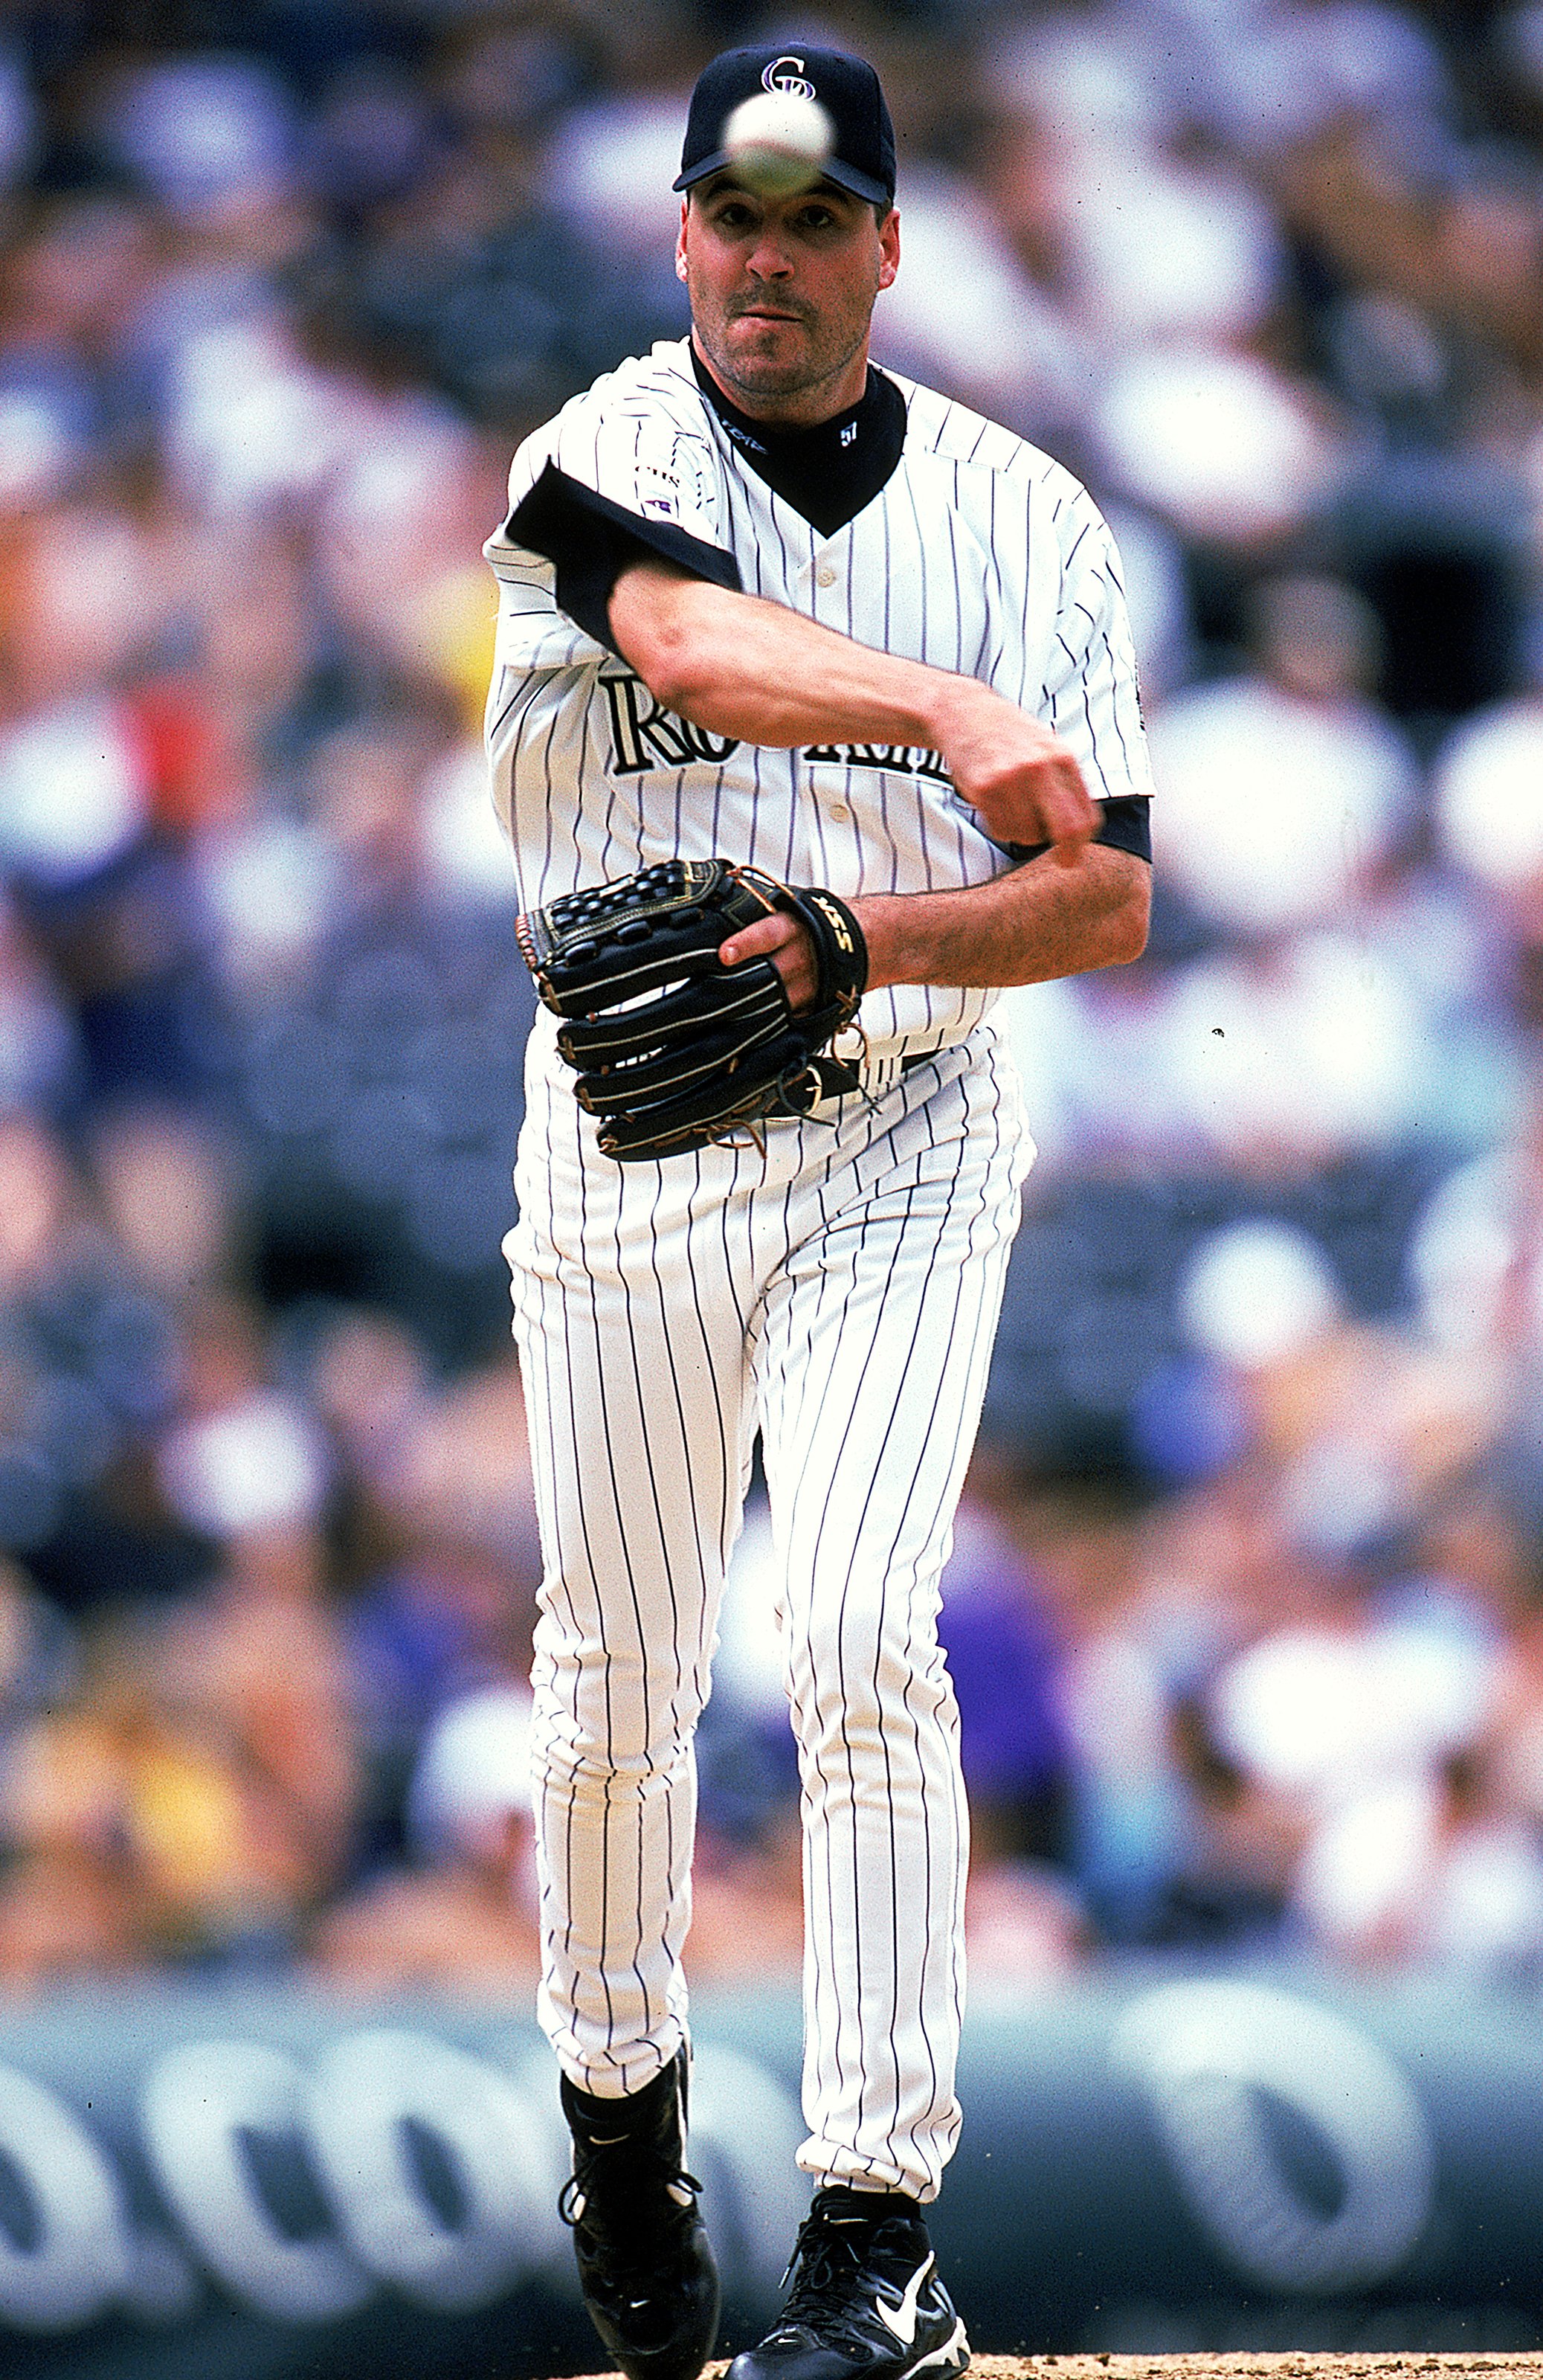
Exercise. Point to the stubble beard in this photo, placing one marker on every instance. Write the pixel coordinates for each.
(761, 377)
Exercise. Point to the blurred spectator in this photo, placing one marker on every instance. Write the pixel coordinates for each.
(39, 1655)
(748, 1908)
(463, 1919)
(1285, 790)
(171, 1195)
(140, 1809)
(1025, 1928)
(1490, 818)
(436, 1538)
(1003, 1658)
(1429, 1869)
(260, 1659)
(1226, 445)
(1262, 1457)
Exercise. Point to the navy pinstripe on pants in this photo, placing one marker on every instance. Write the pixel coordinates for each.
(840, 1294)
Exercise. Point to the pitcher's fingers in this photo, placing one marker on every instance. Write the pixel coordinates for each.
(1069, 812)
(758, 941)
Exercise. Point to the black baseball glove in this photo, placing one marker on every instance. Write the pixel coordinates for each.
(672, 1047)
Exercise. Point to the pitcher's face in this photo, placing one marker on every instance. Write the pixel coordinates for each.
(781, 294)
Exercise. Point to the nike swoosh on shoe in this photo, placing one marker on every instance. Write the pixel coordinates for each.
(953, 2356)
(901, 2318)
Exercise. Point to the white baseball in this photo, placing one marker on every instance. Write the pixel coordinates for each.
(778, 142)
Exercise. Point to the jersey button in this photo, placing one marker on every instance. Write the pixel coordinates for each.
(840, 812)
(825, 575)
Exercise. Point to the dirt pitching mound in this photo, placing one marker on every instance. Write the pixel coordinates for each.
(1245, 2367)
(1241, 2366)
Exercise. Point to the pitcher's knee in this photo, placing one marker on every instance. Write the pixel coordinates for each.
(611, 1707)
(863, 1686)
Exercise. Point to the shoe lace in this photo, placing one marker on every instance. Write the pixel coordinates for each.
(829, 2252)
(632, 2196)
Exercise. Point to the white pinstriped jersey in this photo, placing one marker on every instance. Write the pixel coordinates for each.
(979, 555)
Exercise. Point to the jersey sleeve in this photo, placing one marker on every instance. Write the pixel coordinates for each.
(603, 485)
(1090, 696)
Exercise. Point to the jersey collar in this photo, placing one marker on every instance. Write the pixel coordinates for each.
(831, 472)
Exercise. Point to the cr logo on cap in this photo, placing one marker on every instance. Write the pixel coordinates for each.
(776, 76)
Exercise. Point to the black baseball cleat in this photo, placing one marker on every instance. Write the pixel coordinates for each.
(865, 2302)
(645, 2267)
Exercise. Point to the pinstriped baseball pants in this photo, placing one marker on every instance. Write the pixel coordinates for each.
(840, 1295)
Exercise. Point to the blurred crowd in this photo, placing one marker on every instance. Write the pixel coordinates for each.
(1246, 1607)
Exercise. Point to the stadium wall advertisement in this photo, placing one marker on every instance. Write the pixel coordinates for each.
(256, 2186)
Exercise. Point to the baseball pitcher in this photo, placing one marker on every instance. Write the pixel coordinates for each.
(813, 722)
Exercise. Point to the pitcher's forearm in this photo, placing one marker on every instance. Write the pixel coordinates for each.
(739, 666)
(1029, 925)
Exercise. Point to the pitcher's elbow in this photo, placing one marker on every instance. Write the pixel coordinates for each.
(1133, 924)
(652, 623)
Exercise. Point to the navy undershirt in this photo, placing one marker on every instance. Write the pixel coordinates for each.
(828, 473)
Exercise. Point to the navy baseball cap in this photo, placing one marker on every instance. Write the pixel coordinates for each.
(847, 88)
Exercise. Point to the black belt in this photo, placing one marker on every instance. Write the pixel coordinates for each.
(838, 1080)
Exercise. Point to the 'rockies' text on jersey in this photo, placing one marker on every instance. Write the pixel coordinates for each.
(979, 555)
(645, 736)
